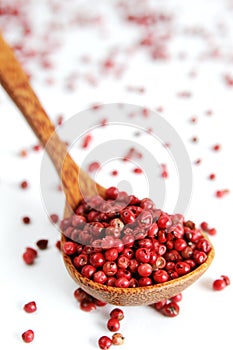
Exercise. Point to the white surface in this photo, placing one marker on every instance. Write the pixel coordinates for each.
(204, 318)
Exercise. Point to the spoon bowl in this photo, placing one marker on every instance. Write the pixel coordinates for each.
(16, 83)
(134, 296)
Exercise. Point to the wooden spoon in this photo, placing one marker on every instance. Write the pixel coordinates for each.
(16, 83)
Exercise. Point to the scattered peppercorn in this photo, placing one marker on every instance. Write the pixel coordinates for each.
(28, 336)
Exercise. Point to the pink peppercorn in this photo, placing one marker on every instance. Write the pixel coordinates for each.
(30, 307)
(113, 324)
(93, 166)
(117, 339)
(137, 170)
(212, 176)
(216, 147)
(197, 161)
(42, 244)
(221, 283)
(221, 193)
(23, 153)
(212, 231)
(26, 220)
(69, 248)
(117, 313)
(24, 184)
(114, 172)
(226, 279)
(58, 245)
(37, 148)
(86, 141)
(204, 226)
(104, 342)
(171, 309)
(28, 336)
(87, 305)
(54, 218)
(29, 256)
(177, 298)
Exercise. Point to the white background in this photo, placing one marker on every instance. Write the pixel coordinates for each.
(199, 47)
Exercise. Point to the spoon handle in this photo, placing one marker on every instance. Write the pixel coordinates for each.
(16, 83)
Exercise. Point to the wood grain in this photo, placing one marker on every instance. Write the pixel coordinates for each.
(16, 83)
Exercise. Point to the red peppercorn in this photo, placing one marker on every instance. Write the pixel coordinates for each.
(180, 244)
(114, 172)
(111, 281)
(24, 184)
(86, 141)
(97, 259)
(37, 148)
(216, 147)
(219, 284)
(221, 193)
(69, 248)
(112, 193)
(80, 260)
(113, 324)
(171, 309)
(159, 305)
(152, 230)
(93, 166)
(117, 313)
(204, 245)
(128, 252)
(88, 271)
(128, 216)
(87, 305)
(123, 262)
(177, 298)
(164, 221)
(30, 307)
(144, 281)
(137, 170)
(160, 276)
(122, 282)
(145, 269)
(143, 255)
(100, 277)
(182, 268)
(104, 342)
(199, 257)
(212, 231)
(212, 176)
(28, 336)
(26, 220)
(42, 244)
(58, 245)
(54, 218)
(29, 257)
(204, 226)
(110, 268)
(226, 279)
(80, 294)
(32, 250)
